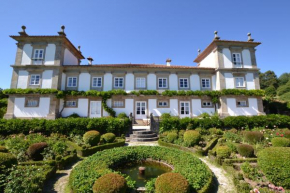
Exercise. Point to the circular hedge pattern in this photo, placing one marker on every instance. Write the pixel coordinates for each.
(171, 183)
(194, 170)
(110, 183)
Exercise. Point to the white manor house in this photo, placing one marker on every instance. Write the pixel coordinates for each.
(53, 62)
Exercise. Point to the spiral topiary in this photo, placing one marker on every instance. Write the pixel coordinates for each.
(109, 137)
(110, 183)
(92, 137)
(34, 151)
(280, 142)
(171, 183)
(191, 138)
(245, 150)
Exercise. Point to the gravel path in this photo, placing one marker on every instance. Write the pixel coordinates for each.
(223, 180)
(59, 181)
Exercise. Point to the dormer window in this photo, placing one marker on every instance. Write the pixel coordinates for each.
(38, 56)
(237, 59)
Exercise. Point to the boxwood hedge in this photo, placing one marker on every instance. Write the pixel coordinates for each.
(65, 126)
(88, 171)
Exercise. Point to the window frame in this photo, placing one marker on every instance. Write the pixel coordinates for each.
(118, 103)
(239, 101)
(235, 63)
(31, 98)
(187, 82)
(76, 85)
(31, 78)
(123, 82)
(162, 105)
(138, 87)
(70, 106)
(244, 84)
(184, 108)
(34, 53)
(207, 105)
(205, 83)
(163, 78)
(97, 77)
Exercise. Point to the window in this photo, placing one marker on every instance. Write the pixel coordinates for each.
(162, 104)
(38, 54)
(71, 103)
(162, 82)
(205, 83)
(97, 82)
(119, 82)
(183, 82)
(72, 82)
(184, 108)
(140, 83)
(118, 103)
(240, 82)
(34, 79)
(206, 104)
(237, 59)
(242, 103)
(32, 103)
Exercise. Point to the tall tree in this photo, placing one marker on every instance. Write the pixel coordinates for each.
(268, 79)
(284, 78)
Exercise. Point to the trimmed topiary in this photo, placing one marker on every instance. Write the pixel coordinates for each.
(245, 150)
(223, 152)
(3, 149)
(92, 137)
(191, 138)
(253, 136)
(34, 151)
(280, 142)
(7, 160)
(181, 133)
(110, 183)
(287, 134)
(171, 137)
(122, 116)
(274, 162)
(109, 137)
(171, 183)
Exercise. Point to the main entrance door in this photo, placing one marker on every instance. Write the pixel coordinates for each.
(140, 110)
(95, 109)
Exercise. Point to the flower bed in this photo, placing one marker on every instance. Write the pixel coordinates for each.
(83, 176)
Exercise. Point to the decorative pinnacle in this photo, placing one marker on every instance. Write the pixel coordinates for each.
(79, 48)
(61, 33)
(198, 51)
(23, 33)
(168, 60)
(216, 37)
(250, 38)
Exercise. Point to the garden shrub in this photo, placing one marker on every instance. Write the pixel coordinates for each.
(181, 133)
(280, 142)
(171, 137)
(109, 137)
(191, 138)
(92, 137)
(253, 136)
(223, 152)
(215, 131)
(274, 163)
(245, 150)
(122, 116)
(287, 134)
(35, 151)
(3, 149)
(7, 160)
(171, 183)
(194, 170)
(110, 183)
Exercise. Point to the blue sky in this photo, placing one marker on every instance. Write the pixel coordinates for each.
(149, 31)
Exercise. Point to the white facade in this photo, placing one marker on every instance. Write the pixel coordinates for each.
(236, 111)
(69, 58)
(27, 112)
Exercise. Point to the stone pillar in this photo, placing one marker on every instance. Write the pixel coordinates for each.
(260, 106)
(53, 108)
(10, 108)
(224, 107)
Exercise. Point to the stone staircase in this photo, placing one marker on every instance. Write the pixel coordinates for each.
(143, 135)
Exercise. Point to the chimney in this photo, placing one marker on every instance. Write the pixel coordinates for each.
(79, 49)
(216, 37)
(90, 59)
(23, 32)
(198, 51)
(250, 38)
(61, 33)
(168, 62)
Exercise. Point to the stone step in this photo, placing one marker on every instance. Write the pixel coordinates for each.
(142, 132)
(143, 135)
(144, 139)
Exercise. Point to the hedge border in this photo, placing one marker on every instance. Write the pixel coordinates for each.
(175, 146)
(92, 150)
